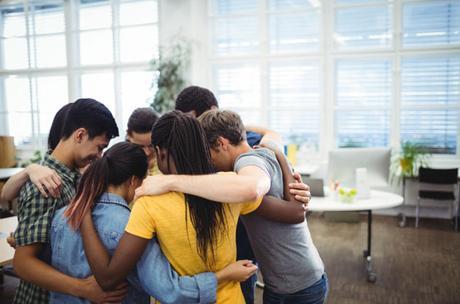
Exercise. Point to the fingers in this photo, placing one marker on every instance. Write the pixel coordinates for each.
(297, 177)
(42, 190)
(51, 186)
(305, 193)
(117, 295)
(299, 186)
(302, 199)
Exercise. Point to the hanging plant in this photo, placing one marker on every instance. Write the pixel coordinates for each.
(170, 68)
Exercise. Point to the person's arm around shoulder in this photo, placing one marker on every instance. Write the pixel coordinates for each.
(44, 178)
(291, 209)
(268, 136)
(249, 184)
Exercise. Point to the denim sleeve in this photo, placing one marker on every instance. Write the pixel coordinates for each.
(158, 279)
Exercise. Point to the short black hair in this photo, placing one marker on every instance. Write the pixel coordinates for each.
(142, 120)
(92, 115)
(195, 98)
(57, 126)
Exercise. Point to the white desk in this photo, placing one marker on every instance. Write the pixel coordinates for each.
(6, 173)
(377, 200)
(7, 225)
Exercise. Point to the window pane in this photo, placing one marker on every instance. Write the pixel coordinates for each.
(96, 47)
(18, 109)
(430, 81)
(363, 95)
(294, 85)
(138, 12)
(363, 83)
(136, 92)
(99, 87)
(430, 87)
(294, 32)
(297, 126)
(17, 93)
(95, 15)
(236, 36)
(51, 96)
(15, 53)
(363, 27)
(14, 22)
(431, 23)
(138, 43)
(433, 129)
(225, 7)
(283, 5)
(348, 2)
(50, 51)
(47, 19)
(362, 128)
(238, 87)
(249, 117)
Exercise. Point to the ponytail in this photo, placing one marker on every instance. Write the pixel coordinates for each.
(117, 165)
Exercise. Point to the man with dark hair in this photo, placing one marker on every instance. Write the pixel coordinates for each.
(288, 259)
(139, 133)
(87, 130)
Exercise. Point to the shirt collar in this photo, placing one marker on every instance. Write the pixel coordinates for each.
(111, 198)
(60, 168)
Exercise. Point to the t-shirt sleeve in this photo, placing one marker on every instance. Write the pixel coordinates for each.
(252, 159)
(250, 206)
(34, 220)
(141, 223)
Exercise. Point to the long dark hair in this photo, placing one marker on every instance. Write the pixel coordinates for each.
(116, 166)
(185, 142)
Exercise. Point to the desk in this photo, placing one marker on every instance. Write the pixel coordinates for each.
(377, 200)
(7, 225)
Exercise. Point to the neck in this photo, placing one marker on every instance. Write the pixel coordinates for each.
(242, 147)
(64, 154)
(120, 190)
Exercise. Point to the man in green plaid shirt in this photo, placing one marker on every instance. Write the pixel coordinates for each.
(87, 130)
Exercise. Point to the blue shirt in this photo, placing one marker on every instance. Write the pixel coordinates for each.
(253, 138)
(153, 273)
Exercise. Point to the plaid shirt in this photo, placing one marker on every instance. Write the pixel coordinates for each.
(35, 215)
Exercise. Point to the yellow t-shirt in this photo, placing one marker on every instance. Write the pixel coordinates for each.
(163, 216)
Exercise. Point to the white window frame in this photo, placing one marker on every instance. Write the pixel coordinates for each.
(73, 70)
(327, 56)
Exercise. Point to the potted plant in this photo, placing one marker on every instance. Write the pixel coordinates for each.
(407, 161)
(170, 80)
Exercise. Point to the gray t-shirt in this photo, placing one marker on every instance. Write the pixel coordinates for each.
(287, 257)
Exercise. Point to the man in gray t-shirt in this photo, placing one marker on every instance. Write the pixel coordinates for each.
(288, 259)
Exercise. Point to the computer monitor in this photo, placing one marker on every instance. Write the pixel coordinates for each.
(343, 163)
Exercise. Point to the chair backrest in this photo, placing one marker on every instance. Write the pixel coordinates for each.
(438, 176)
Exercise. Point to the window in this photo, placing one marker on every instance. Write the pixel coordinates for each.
(56, 51)
(343, 73)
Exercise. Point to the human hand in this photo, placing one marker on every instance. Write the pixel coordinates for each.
(238, 271)
(94, 293)
(300, 190)
(154, 185)
(45, 179)
(11, 241)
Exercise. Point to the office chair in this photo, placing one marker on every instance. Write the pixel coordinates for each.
(445, 180)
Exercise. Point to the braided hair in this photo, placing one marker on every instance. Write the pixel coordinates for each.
(183, 138)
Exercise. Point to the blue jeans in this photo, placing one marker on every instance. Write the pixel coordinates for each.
(315, 294)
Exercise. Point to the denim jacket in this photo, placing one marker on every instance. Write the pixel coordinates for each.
(153, 275)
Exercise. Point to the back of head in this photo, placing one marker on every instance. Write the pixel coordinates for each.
(118, 164)
(57, 126)
(92, 115)
(226, 124)
(195, 98)
(142, 120)
(183, 138)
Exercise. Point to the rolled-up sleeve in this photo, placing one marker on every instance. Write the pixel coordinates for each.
(162, 282)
